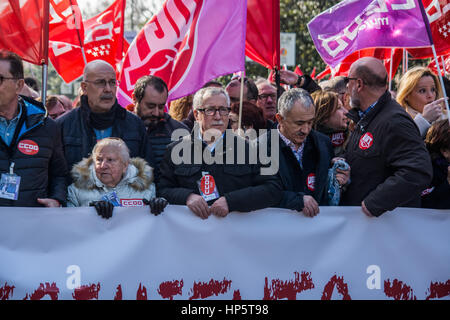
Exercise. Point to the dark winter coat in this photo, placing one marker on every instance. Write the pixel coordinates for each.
(37, 153)
(390, 165)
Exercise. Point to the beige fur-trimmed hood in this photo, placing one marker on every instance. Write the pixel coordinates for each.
(139, 175)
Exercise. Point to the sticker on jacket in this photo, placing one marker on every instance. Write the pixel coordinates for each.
(311, 182)
(427, 191)
(112, 197)
(28, 147)
(366, 141)
(9, 186)
(131, 202)
(337, 139)
(207, 187)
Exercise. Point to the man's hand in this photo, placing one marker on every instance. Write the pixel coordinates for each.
(198, 205)
(49, 203)
(220, 207)
(342, 176)
(365, 210)
(310, 206)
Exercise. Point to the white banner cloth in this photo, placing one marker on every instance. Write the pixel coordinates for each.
(71, 253)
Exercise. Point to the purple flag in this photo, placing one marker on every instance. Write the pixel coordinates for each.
(188, 43)
(352, 25)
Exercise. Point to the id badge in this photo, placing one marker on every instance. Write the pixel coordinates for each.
(207, 187)
(9, 186)
(112, 197)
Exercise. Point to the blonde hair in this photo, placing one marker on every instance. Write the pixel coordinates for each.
(117, 143)
(410, 80)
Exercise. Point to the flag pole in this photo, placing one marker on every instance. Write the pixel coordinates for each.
(390, 70)
(77, 27)
(45, 41)
(241, 98)
(443, 66)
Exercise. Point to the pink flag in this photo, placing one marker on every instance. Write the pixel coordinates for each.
(352, 25)
(187, 44)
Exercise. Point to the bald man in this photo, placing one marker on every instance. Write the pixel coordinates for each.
(100, 116)
(390, 165)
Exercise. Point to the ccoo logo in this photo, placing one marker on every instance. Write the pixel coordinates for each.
(28, 147)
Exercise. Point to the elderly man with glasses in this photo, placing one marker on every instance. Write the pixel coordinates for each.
(100, 116)
(210, 171)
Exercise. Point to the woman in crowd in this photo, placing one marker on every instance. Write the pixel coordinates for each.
(110, 178)
(420, 93)
(330, 119)
(438, 144)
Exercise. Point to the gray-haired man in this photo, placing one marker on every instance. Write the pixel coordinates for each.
(305, 155)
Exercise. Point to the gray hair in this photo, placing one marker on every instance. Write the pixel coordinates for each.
(205, 93)
(290, 97)
(117, 143)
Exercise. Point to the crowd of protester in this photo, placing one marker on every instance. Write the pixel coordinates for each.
(344, 141)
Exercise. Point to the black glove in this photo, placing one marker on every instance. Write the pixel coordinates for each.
(104, 208)
(157, 205)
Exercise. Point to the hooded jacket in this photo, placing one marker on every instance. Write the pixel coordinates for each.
(36, 151)
(137, 184)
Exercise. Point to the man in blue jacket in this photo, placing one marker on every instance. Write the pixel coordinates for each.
(100, 116)
(32, 164)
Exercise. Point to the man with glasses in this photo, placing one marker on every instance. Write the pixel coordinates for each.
(100, 116)
(267, 101)
(389, 161)
(233, 89)
(150, 97)
(210, 171)
(32, 164)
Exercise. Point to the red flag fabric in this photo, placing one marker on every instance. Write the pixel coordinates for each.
(379, 53)
(65, 22)
(21, 28)
(262, 43)
(313, 73)
(298, 70)
(438, 12)
(446, 65)
(103, 39)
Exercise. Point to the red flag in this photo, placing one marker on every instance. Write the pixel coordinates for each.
(21, 29)
(446, 64)
(380, 53)
(262, 43)
(298, 70)
(103, 39)
(313, 73)
(65, 22)
(438, 13)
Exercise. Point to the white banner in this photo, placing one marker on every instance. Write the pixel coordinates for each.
(72, 253)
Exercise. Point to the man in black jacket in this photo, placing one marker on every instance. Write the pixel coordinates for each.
(210, 170)
(150, 97)
(389, 161)
(32, 164)
(305, 155)
(100, 116)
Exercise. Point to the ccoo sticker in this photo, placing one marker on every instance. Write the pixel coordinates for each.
(366, 141)
(28, 147)
(311, 181)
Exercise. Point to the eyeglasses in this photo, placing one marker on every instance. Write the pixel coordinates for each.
(101, 83)
(273, 96)
(347, 79)
(223, 111)
(2, 78)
